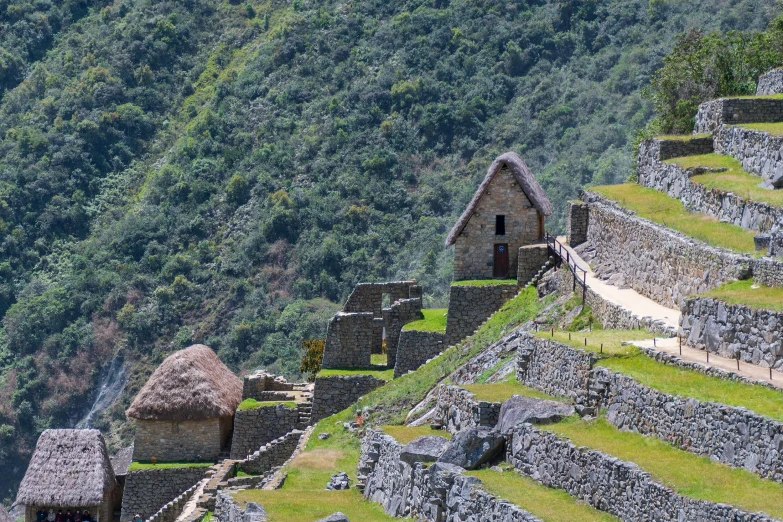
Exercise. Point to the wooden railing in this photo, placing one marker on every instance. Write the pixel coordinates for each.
(564, 255)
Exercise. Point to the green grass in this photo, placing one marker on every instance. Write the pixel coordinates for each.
(773, 128)
(500, 391)
(683, 137)
(380, 372)
(378, 359)
(743, 293)
(610, 339)
(734, 179)
(405, 434)
(761, 97)
(434, 321)
(670, 212)
(484, 282)
(689, 474)
(548, 504)
(306, 506)
(139, 466)
(252, 404)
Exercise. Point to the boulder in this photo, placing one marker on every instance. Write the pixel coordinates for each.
(519, 409)
(339, 481)
(424, 449)
(473, 447)
(334, 517)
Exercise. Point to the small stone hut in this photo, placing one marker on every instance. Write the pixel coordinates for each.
(70, 470)
(185, 411)
(506, 212)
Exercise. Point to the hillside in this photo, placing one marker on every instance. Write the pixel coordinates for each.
(179, 172)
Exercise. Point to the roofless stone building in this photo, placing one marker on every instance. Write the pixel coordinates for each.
(506, 213)
(185, 412)
(70, 470)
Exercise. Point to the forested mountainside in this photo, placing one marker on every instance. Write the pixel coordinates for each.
(193, 171)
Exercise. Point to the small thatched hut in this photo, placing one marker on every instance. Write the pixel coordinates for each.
(70, 470)
(185, 412)
(4, 516)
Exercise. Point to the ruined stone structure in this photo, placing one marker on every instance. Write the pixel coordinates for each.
(336, 392)
(415, 348)
(506, 213)
(255, 428)
(357, 331)
(147, 491)
(470, 306)
(577, 216)
(272, 454)
(458, 409)
(530, 259)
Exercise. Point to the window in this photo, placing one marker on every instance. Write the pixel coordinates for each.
(500, 225)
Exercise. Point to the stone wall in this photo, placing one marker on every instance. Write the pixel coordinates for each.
(272, 454)
(257, 383)
(147, 491)
(577, 215)
(727, 207)
(770, 82)
(733, 111)
(757, 151)
(415, 348)
(474, 247)
(368, 297)
(608, 483)
(735, 436)
(529, 261)
(349, 340)
(436, 493)
(470, 306)
(755, 335)
(458, 409)
(173, 509)
(395, 317)
(336, 392)
(177, 441)
(256, 427)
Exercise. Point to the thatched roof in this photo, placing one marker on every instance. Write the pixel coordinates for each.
(191, 384)
(121, 461)
(70, 468)
(524, 177)
(4, 516)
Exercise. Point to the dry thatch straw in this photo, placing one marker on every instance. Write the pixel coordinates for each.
(70, 468)
(191, 384)
(524, 177)
(4, 516)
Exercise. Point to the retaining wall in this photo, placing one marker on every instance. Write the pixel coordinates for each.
(530, 259)
(608, 483)
(254, 428)
(470, 306)
(349, 340)
(272, 454)
(415, 348)
(458, 409)
(147, 491)
(395, 317)
(336, 392)
(757, 151)
(755, 335)
(733, 111)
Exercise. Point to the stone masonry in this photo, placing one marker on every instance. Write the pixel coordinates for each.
(577, 216)
(336, 392)
(458, 409)
(177, 441)
(757, 151)
(146, 491)
(415, 348)
(470, 306)
(255, 428)
(734, 111)
(530, 260)
(770, 83)
(395, 317)
(474, 247)
(349, 340)
(272, 454)
(256, 384)
(755, 335)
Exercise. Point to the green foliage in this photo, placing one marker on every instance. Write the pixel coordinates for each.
(252, 404)
(312, 358)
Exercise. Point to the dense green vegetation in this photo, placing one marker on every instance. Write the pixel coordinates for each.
(193, 171)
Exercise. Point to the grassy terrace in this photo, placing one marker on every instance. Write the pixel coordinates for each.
(139, 466)
(434, 321)
(683, 137)
(689, 474)
(377, 369)
(750, 294)
(252, 404)
(629, 360)
(734, 179)
(548, 504)
(484, 282)
(658, 207)
(775, 129)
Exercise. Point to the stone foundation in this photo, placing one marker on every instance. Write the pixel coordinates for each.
(458, 409)
(181, 441)
(734, 111)
(755, 335)
(470, 306)
(147, 491)
(337, 392)
(415, 348)
(255, 428)
(530, 260)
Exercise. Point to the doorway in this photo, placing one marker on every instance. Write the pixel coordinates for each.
(500, 263)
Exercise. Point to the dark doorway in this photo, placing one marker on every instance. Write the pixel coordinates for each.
(500, 225)
(500, 265)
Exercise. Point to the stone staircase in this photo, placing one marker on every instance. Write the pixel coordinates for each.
(222, 472)
(546, 267)
(305, 410)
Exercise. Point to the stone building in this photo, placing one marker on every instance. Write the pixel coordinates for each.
(70, 470)
(506, 213)
(185, 411)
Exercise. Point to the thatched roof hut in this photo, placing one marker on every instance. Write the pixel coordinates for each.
(70, 468)
(4, 516)
(190, 384)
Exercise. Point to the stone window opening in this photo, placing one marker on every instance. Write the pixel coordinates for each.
(500, 225)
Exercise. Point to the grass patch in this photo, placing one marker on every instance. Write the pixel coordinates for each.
(484, 376)
(405, 434)
(612, 340)
(142, 465)
(379, 372)
(500, 391)
(670, 212)
(743, 293)
(548, 504)
(734, 179)
(683, 137)
(484, 282)
(434, 321)
(689, 474)
(252, 404)
(379, 359)
(760, 97)
(298, 506)
(773, 128)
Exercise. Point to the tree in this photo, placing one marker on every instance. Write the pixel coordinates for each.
(313, 357)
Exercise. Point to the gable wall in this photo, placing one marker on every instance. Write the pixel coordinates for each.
(474, 248)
